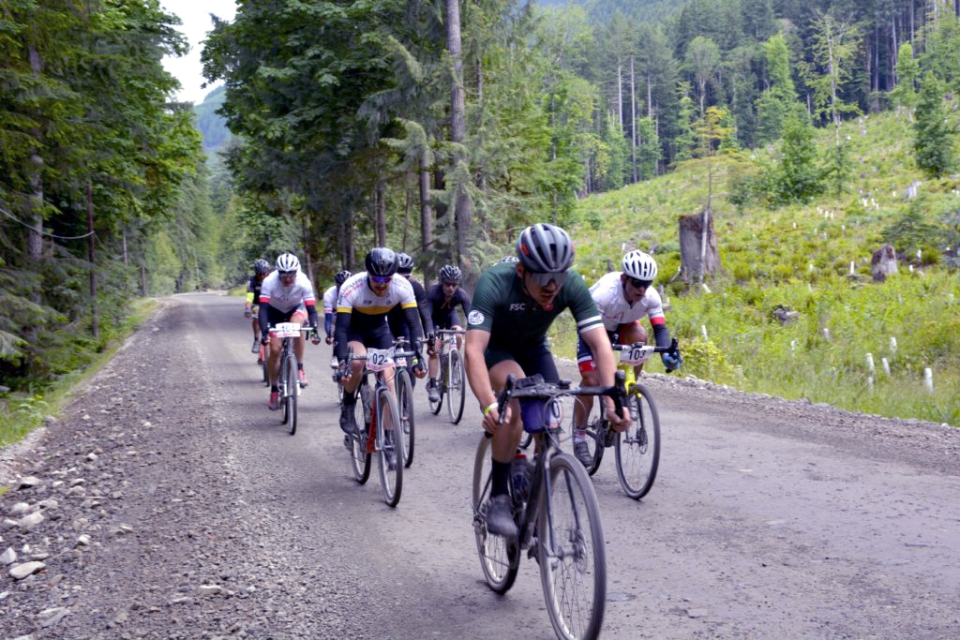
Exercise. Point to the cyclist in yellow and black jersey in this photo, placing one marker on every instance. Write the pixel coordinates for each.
(365, 300)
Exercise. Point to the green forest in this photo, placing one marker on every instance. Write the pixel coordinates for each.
(442, 129)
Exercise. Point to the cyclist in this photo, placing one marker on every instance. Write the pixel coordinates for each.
(443, 299)
(396, 317)
(330, 303)
(261, 268)
(365, 300)
(623, 299)
(286, 296)
(513, 307)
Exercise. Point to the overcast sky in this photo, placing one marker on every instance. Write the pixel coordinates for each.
(195, 16)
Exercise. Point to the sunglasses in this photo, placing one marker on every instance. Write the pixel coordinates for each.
(640, 284)
(544, 279)
(381, 279)
(287, 274)
(447, 283)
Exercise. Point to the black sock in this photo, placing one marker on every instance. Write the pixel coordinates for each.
(349, 398)
(274, 387)
(501, 478)
(299, 366)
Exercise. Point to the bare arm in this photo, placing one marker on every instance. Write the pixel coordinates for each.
(477, 374)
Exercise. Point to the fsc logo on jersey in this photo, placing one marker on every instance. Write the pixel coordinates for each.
(518, 306)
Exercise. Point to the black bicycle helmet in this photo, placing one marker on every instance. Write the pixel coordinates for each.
(341, 277)
(261, 266)
(404, 264)
(450, 273)
(381, 262)
(545, 248)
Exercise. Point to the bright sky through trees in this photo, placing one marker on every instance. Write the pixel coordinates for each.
(195, 17)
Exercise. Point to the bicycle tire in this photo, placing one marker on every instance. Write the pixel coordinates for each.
(499, 557)
(292, 392)
(572, 566)
(436, 406)
(456, 389)
(359, 458)
(282, 386)
(638, 450)
(407, 420)
(389, 441)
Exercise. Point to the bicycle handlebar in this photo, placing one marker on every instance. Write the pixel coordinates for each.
(541, 389)
(673, 349)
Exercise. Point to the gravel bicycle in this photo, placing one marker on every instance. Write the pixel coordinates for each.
(288, 382)
(557, 515)
(377, 435)
(404, 386)
(452, 379)
(638, 448)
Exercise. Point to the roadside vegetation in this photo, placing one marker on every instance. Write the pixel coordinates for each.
(799, 258)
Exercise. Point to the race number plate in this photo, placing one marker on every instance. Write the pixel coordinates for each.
(637, 354)
(379, 359)
(286, 330)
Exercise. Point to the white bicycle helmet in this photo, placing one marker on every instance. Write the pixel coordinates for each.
(287, 263)
(640, 266)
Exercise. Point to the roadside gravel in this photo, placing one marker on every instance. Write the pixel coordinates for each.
(126, 519)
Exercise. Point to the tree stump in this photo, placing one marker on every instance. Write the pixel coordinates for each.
(883, 263)
(691, 248)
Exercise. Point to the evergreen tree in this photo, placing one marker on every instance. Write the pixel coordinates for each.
(933, 142)
(780, 99)
(905, 93)
(797, 179)
(686, 141)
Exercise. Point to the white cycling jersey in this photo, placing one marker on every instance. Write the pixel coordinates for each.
(356, 295)
(286, 299)
(607, 292)
(330, 300)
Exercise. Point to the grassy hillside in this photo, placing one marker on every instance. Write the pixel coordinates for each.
(800, 257)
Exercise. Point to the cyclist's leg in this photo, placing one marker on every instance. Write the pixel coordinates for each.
(588, 377)
(356, 368)
(255, 322)
(274, 317)
(299, 317)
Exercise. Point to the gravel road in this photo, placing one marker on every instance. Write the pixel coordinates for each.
(168, 502)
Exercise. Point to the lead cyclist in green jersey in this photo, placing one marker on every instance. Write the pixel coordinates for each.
(513, 306)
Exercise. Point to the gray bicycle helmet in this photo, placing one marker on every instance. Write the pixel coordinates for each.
(261, 266)
(404, 264)
(341, 277)
(640, 266)
(450, 273)
(287, 263)
(381, 262)
(545, 248)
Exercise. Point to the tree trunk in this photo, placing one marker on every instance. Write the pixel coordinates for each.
(698, 247)
(620, 94)
(380, 206)
(633, 121)
(95, 319)
(426, 218)
(463, 207)
(35, 204)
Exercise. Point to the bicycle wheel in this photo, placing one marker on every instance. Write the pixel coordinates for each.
(456, 393)
(282, 386)
(436, 406)
(405, 407)
(359, 458)
(573, 569)
(638, 450)
(390, 444)
(291, 391)
(499, 558)
(594, 435)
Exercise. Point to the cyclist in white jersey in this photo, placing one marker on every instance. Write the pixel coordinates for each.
(365, 300)
(330, 304)
(286, 295)
(623, 298)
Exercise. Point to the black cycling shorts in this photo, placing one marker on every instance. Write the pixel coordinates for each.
(532, 359)
(447, 320)
(378, 337)
(275, 316)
